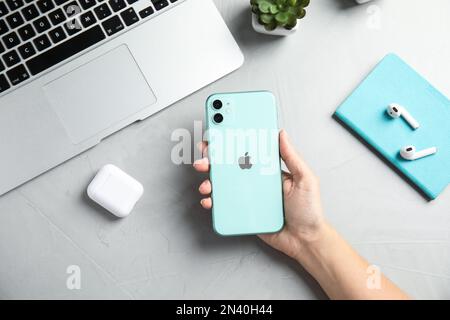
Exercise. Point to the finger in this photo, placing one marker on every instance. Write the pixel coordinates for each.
(206, 203)
(296, 165)
(205, 188)
(202, 165)
(203, 147)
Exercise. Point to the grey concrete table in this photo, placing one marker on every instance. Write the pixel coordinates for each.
(166, 248)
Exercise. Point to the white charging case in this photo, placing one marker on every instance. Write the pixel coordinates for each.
(115, 190)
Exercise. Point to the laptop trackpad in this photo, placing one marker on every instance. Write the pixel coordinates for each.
(99, 94)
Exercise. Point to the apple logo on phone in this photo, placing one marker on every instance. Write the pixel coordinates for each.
(244, 162)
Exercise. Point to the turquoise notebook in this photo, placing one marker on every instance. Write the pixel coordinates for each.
(364, 112)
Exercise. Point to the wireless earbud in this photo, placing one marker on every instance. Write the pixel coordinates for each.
(396, 111)
(410, 153)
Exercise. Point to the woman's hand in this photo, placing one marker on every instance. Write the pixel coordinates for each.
(306, 237)
(303, 211)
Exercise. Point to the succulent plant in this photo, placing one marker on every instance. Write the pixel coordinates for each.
(279, 13)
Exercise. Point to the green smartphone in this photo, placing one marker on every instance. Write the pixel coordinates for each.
(245, 172)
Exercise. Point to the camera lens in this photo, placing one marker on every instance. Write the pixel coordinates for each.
(217, 104)
(218, 118)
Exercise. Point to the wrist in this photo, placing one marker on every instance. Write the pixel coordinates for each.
(312, 243)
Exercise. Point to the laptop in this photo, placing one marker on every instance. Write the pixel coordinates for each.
(73, 72)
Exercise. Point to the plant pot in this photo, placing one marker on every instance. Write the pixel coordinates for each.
(279, 31)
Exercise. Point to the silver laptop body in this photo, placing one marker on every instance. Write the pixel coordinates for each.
(105, 70)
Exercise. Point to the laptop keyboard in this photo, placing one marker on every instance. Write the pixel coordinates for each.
(38, 34)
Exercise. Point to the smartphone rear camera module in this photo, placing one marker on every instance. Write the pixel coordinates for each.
(218, 118)
(217, 104)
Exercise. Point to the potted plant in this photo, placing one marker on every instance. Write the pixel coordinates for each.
(277, 17)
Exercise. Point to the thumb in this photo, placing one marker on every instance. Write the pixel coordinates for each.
(297, 167)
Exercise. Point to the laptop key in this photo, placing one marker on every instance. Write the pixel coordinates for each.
(87, 4)
(3, 27)
(11, 40)
(26, 50)
(11, 58)
(117, 5)
(57, 16)
(45, 5)
(42, 24)
(160, 4)
(57, 35)
(72, 8)
(17, 75)
(60, 2)
(42, 42)
(113, 25)
(26, 32)
(129, 16)
(87, 19)
(3, 9)
(146, 12)
(14, 4)
(72, 27)
(15, 20)
(4, 85)
(132, 1)
(30, 12)
(65, 50)
(102, 11)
